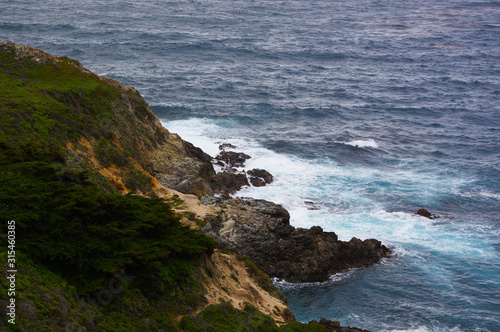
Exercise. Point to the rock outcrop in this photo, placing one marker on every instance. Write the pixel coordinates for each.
(230, 159)
(231, 179)
(261, 230)
(334, 326)
(427, 214)
(259, 177)
(229, 182)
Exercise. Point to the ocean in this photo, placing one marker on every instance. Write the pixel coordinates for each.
(370, 110)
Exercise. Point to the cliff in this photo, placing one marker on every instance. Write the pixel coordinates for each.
(106, 205)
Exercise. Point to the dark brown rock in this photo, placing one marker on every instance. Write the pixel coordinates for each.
(334, 326)
(229, 182)
(260, 177)
(329, 326)
(232, 159)
(261, 230)
(425, 213)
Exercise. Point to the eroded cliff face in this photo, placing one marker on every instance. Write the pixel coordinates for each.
(235, 279)
(175, 163)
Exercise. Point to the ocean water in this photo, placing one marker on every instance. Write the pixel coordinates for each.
(368, 109)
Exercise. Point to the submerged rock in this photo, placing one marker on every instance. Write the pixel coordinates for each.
(424, 213)
(311, 205)
(427, 214)
(261, 230)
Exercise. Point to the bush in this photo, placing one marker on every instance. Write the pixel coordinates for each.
(137, 180)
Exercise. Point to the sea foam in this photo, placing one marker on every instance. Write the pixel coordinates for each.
(370, 143)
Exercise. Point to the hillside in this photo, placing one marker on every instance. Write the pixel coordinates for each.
(106, 211)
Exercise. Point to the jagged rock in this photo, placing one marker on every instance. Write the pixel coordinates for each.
(424, 213)
(260, 177)
(229, 182)
(329, 324)
(183, 167)
(261, 230)
(427, 214)
(232, 159)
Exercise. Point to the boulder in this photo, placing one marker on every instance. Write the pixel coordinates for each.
(259, 177)
(232, 159)
(427, 214)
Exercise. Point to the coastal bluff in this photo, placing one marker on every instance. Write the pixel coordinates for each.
(106, 196)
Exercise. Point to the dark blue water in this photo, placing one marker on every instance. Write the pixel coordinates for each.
(371, 109)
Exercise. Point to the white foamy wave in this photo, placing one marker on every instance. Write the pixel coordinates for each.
(336, 278)
(426, 329)
(203, 133)
(363, 143)
(489, 195)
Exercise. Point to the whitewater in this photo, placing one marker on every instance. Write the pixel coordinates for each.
(364, 112)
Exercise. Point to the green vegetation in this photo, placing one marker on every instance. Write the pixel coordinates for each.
(76, 237)
(137, 181)
(109, 154)
(177, 202)
(43, 106)
(89, 258)
(225, 317)
(82, 228)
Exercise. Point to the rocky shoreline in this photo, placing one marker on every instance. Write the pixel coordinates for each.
(125, 150)
(261, 230)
